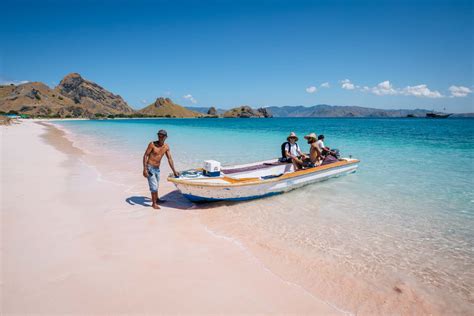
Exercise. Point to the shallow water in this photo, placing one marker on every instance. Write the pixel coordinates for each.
(406, 216)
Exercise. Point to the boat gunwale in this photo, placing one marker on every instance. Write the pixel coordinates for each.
(258, 181)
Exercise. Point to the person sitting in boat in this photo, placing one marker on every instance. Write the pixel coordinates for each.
(290, 149)
(314, 158)
(324, 150)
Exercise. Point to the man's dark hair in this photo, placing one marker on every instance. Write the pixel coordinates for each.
(320, 137)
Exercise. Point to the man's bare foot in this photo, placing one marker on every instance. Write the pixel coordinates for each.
(156, 207)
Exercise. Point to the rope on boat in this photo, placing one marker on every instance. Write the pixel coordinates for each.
(192, 173)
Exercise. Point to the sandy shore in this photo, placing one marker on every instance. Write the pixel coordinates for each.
(75, 243)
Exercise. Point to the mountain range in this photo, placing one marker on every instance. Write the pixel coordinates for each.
(79, 97)
(324, 110)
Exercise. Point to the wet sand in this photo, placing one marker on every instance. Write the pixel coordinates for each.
(74, 242)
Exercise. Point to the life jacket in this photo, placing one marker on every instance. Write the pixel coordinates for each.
(283, 148)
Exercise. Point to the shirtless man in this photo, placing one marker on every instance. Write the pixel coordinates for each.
(314, 154)
(151, 165)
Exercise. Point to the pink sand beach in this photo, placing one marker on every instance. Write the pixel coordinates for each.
(71, 244)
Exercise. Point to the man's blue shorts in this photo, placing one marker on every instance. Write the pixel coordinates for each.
(153, 178)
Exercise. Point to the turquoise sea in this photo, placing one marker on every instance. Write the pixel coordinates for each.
(407, 212)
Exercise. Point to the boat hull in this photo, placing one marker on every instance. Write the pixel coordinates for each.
(437, 115)
(260, 189)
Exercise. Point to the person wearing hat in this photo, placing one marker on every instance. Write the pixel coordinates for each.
(314, 158)
(290, 149)
(151, 165)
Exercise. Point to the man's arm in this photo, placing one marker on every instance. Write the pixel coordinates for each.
(301, 153)
(325, 147)
(145, 159)
(171, 163)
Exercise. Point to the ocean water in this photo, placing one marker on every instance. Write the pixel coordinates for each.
(404, 220)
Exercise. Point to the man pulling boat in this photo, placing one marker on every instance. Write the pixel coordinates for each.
(151, 165)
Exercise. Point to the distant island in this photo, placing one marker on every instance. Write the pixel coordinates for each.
(76, 97)
(324, 110)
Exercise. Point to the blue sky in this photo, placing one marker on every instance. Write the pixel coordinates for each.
(387, 54)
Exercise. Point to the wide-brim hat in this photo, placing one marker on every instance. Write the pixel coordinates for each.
(312, 135)
(292, 134)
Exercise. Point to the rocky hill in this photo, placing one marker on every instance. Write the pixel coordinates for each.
(247, 112)
(165, 107)
(324, 110)
(36, 98)
(91, 96)
(73, 97)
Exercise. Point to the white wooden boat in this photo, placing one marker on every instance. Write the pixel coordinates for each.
(255, 180)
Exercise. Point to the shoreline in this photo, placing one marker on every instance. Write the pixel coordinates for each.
(89, 239)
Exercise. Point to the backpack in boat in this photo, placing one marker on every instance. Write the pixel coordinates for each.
(283, 149)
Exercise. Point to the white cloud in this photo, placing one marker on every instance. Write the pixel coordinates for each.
(190, 98)
(13, 82)
(311, 89)
(144, 101)
(325, 85)
(347, 84)
(459, 91)
(421, 90)
(386, 88)
(383, 88)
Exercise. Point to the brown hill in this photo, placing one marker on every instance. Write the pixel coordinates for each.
(74, 96)
(165, 107)
(35, 98)
(247, 112)
(91, 96)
